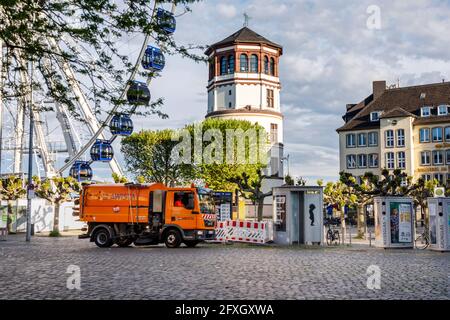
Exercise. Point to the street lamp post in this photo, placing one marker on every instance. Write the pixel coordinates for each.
(287, 159)
(30, 189)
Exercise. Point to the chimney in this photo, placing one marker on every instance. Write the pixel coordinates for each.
(378, 88)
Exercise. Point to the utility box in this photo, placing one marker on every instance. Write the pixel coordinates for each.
(394, 222)
(439, 223)
(298, 215)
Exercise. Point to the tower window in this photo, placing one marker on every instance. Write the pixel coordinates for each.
(266, 65)
(272, 66)
(273, 133)
(269, 98)
(243, 63)
(223, 66)
(229, 105)
(230, 64)
(229, 92)
(254, 63)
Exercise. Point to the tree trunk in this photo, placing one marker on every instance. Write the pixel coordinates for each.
(56, 218)
(361, 220)
(343, 230)
(9, 213)
(260, 209)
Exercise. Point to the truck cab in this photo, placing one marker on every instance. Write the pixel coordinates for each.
(146, 214)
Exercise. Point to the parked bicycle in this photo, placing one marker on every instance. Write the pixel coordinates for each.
(423, 240)
(332, 235)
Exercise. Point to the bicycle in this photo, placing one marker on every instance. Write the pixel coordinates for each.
(423, 240)
(332, 236)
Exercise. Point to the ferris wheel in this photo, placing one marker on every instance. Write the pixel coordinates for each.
(90, 141)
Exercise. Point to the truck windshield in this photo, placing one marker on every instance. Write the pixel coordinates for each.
(206, 203)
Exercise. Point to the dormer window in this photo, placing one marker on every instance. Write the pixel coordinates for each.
(425, 111)
(375, 116)
(442, 110)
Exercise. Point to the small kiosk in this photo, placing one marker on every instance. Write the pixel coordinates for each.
(298, 215)
(439, 223)
(394, 222)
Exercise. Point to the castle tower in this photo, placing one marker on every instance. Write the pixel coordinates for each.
(244, 84)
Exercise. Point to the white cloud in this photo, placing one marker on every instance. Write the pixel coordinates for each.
(226, 10)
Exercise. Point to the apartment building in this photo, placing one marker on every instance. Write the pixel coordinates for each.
(405, 128)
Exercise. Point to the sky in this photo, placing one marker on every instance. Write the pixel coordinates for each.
(332, 51)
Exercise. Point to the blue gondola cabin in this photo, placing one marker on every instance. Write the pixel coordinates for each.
(153, 59)
(121, 124)
(138, 93)
(102, 151)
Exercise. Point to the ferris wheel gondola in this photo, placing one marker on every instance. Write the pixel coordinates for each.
(91, 136)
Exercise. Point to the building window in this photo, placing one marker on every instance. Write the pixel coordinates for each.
(272, 66)
(390, 161)
(447, 156)
(426, 177)
(438, 157)
(351, 141)
(231, 64)
(424, 135)
(362, 161)
(254, 63)
(447, 133)
(269, 93)
(389, 138)
(373, 139)
(425, 158)
(401, 160)
(425, 111)
(266, 65)
(439, 177)
(351, 161)
(442, 110)
(223, 66)
(400, 137)
(273, 133)
(373, 160)
(243, 63)
(375, 115)
(436, 134)
(362, 140)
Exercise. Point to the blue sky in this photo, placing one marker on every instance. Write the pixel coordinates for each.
(330, 59)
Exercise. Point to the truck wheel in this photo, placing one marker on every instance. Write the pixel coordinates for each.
(124, 242)
(191, 243)
(173, 239)
(103, 239)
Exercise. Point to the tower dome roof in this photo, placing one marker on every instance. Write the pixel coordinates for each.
(244, 35)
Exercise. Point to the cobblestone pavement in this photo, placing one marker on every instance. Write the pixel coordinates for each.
(37, 270)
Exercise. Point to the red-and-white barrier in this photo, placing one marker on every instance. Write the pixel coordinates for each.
(244, 231)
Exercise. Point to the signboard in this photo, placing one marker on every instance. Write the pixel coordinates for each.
(225, 212)
(280, 212)
(400, 222)
(3, 217)
(432, 210)
(439, 192)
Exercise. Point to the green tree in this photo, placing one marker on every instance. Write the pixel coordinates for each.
(223, 173)
(11, 189)
(338, 195)
(252, 189)
(289, 180)
(56, 190)
(118, 178)
(423, 190)
(52, 32)
(148, 155)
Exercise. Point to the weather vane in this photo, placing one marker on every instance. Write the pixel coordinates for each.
(246, 19)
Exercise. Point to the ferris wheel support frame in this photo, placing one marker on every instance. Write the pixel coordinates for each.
(85, 108)
(40, 137)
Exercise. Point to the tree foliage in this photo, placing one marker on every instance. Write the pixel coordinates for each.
(56, 190)
(85, 34)
(221, 175)
(148, 155)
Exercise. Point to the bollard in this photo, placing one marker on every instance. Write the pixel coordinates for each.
(350, 235)
(370, 238)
